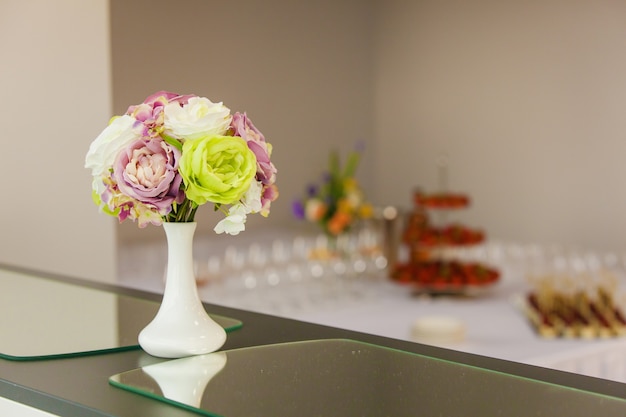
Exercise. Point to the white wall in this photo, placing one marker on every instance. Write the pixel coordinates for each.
(56, 97)
(527, 99)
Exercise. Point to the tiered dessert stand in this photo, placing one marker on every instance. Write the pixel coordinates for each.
(434, 261)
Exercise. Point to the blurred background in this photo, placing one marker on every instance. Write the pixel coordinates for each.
(525, 100)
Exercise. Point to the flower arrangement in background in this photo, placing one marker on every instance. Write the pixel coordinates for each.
(172, 153)
(338, 202)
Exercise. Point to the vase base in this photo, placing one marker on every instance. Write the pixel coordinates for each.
(171, 341)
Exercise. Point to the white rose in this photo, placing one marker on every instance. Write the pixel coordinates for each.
(104, 149)
(199, 117)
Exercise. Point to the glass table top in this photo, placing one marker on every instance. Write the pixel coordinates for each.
(45, 319)
(349, 378)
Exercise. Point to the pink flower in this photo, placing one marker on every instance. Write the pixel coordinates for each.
(243, 127)
(150, 112)
(266, 171)
(147, 171)
(269, 194)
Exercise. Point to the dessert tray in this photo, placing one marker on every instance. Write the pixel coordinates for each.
(447, 277)
(576, 308)
(433, 265)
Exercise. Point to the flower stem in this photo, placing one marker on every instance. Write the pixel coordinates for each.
(182, 213)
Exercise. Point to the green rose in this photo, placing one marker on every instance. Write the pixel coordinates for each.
(218, 169)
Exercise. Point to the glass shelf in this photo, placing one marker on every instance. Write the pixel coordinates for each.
(47, 319)
(348, 378)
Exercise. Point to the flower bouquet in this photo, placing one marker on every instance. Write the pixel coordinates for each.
(158, 163)
(172, 153)
(338, 202)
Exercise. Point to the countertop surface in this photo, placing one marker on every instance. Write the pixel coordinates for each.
(78, 386)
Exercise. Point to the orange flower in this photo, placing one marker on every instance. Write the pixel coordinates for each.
(339, 222)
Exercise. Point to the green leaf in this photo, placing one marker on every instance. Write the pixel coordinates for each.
(351, 165)
(174, 142)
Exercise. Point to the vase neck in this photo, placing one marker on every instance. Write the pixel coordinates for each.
(180, 271)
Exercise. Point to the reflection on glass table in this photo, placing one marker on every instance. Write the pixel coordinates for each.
(43, 318)
(349, 378)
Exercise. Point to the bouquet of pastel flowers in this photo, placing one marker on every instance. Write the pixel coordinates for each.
(172, 153)
(338, 202)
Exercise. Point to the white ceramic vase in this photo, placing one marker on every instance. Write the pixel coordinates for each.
(182, 326)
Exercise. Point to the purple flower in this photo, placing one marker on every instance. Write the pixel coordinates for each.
(311, 190)
(150, 112)
(147, 171)
(265, 170)
(125, 211)
(298, 209)
(243, 127)
(269, 194)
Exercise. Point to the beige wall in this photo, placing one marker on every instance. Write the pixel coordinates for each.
(301, 69)
(525, 98)
(528, 100)
(55, 88)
